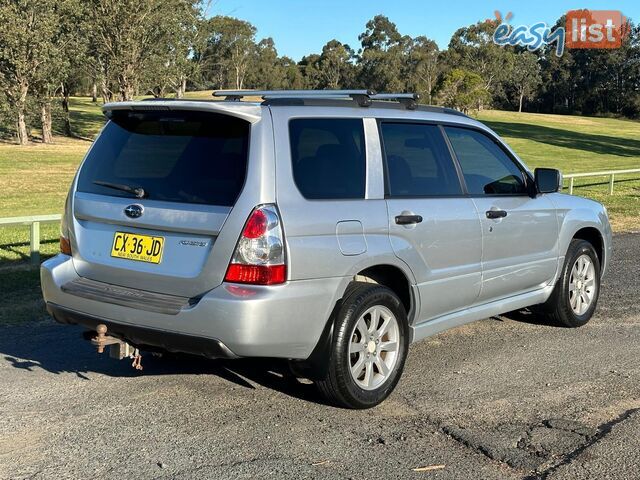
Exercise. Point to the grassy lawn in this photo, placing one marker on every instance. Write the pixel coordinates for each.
(34, 180)
(21, 298)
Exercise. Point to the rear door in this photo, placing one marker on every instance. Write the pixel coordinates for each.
(433, 227)
(189, 168)
(520, 233)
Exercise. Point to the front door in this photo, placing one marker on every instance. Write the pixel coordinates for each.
(433, 227)
(520, 233)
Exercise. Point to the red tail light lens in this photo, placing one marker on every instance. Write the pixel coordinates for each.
(256, 225)
(256, 274)
(259, 255)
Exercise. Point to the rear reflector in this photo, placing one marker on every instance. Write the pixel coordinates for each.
(256, 274)
(65, 246)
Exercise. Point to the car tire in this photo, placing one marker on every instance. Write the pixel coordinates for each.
(575, 295)
(369, 347)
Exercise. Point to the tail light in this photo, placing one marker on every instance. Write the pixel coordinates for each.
(65, 244)
(259, 255)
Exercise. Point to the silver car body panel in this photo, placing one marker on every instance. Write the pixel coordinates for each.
(460, 266)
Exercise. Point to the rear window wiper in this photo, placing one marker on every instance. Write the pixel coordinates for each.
(137, 191)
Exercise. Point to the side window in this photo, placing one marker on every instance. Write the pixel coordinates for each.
(487, 169)
(418, 161)
(328, 157)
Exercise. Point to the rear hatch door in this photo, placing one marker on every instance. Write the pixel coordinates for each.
(153, 195)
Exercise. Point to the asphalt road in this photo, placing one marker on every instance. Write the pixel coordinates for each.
(501, 398)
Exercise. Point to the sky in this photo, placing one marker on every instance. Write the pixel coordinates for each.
(300, 27)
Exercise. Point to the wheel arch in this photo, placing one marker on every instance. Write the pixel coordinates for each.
(390, 275)
(595, 238)
(394, 279)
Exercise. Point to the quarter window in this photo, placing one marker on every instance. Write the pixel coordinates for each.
(487, 169)
(418, 161)
(328, 157)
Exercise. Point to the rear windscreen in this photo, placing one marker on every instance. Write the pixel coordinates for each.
(188, 157)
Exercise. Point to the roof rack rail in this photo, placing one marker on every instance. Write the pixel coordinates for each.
(362, 97)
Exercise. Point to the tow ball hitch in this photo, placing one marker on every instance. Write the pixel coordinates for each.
(118, 349)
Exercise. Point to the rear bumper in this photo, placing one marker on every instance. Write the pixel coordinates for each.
(283, 321)
(145, 337)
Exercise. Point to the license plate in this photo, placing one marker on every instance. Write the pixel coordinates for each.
(142, 248)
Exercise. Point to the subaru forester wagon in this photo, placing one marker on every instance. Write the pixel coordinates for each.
(329, 228)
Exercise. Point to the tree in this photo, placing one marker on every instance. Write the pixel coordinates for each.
(26, 33)
(60, 70)
(382, 56)
(423, 64)
(524, 76)
(311, 74)
(335, 65)
(472, 48)
(380, 34)
(230, 49)
(463, 90)
(266, 71)
(130, 34)
(293, 76)
(557, 85)
(176, 60)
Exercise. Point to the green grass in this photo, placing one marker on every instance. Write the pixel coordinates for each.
(34, 179)
(21, 299)
(86, 117)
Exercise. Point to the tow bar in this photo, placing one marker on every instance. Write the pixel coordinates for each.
(118, 349)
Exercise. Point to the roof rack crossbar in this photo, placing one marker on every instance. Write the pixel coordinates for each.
(409, 100)
(290, 93)
(361, 97)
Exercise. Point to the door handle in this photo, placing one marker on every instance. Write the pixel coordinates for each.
(496, 213)
(408, 219)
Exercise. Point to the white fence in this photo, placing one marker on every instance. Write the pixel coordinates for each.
(609, 173)
(33, 222)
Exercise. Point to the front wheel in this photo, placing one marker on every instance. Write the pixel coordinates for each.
(575, 295)
(369, 347)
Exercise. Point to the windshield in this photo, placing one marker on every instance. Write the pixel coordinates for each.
(184, 156)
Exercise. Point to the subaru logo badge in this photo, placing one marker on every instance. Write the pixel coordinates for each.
(133, 211)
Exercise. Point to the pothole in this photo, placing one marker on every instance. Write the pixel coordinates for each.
(526, 448)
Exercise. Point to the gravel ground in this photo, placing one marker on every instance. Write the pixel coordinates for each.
(502, 398)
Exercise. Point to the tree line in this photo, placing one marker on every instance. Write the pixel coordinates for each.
(115, 51)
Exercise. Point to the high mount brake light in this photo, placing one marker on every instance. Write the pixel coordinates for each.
(259, 255)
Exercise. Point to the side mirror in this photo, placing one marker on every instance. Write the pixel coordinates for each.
(548, 180)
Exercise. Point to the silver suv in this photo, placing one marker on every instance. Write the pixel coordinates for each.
(329, 228)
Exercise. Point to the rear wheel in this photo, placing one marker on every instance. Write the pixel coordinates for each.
(575, 295)
(369, 347)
